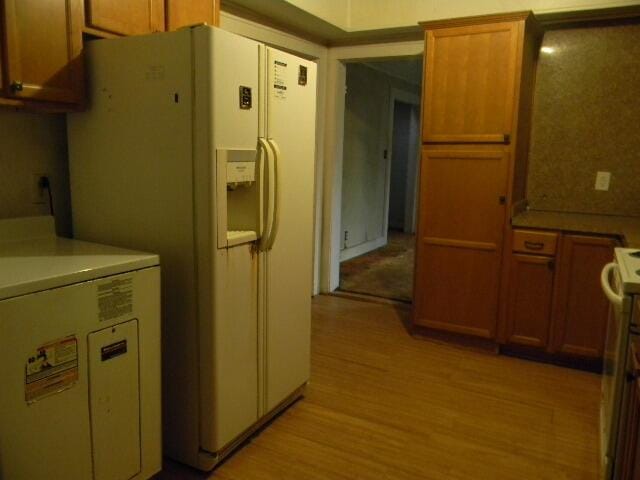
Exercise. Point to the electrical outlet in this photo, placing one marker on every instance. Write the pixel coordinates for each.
(602, 181)
(38, 195)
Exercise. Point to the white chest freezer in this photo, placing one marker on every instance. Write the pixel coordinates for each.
(79, 357)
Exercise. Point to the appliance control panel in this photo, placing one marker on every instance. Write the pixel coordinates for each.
(245, 98)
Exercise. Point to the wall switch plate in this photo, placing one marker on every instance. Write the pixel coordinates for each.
(602, 180)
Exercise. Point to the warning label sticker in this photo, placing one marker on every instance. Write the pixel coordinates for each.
(279, 80)
(115, 298)
(51, 369)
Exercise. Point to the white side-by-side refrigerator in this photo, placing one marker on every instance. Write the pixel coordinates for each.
(199, 145)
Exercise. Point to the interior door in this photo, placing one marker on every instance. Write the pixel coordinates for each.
(462, 214)
(291, 111)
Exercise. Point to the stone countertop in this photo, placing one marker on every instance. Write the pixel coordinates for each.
(628, 228)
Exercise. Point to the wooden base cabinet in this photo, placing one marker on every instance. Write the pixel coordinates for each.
(530, 299)
(554, 300)
(581, 309)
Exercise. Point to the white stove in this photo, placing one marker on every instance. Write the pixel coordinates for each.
(620, 281)
(628, 260)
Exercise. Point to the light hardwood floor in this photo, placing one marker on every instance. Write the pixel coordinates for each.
(383, 405)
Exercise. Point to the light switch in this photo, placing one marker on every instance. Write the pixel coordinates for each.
(602, 180)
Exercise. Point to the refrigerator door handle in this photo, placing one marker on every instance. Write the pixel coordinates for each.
(277, 194)
(613, 296)
(269, 178)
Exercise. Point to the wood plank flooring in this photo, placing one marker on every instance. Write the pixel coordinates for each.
(383, 405)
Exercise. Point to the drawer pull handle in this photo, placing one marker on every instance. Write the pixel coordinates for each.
(533, 245)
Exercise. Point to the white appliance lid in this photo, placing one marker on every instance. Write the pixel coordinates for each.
(628, 260)
(33, 259)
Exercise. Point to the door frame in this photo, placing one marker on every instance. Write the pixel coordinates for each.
(411, 99)
(334, 140)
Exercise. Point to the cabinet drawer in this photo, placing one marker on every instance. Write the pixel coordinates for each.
(540, 243)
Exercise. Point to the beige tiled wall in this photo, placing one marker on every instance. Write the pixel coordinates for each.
(586, 119)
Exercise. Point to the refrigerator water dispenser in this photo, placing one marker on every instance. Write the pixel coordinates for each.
(238, 196)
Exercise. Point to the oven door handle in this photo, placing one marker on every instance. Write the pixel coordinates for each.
(605, 276)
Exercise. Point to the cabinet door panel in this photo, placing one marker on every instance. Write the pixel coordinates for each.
(43, 50)
(580, 313)
(133, 17)
(470, 83)
(460, 240)
(529, 300)
(181, 14)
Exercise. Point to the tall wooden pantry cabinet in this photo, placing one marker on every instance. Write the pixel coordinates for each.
(478, 87)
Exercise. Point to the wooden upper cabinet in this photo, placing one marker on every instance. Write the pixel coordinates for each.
(180, 13)
(460, 240)
(471, 76)
(580, 312)
(42, 50)
(130, 17)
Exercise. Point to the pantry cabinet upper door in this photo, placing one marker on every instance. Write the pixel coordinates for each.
(130, 17)
(43, 45)
(470, 79)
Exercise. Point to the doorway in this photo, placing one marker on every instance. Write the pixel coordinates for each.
(379, 178)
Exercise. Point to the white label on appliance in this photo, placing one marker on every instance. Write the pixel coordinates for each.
(115, 298)
(279, 79)
(52, 368)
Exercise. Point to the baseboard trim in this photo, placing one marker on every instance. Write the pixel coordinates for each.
(361, 249)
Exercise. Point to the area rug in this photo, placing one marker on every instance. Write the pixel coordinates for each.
(385, 272)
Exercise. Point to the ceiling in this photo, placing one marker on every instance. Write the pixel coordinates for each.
(284, 15)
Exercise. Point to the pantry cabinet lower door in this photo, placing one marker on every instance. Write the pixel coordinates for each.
(460, 237)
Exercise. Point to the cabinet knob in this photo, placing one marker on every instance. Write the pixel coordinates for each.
(507, 138)
(551, 264)
(502, 199)
(16, 86)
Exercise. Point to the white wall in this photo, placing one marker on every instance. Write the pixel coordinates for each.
(33, 144)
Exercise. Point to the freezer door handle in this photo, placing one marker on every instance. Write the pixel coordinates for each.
(613, 297)
(277, 175)
(268, 177)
